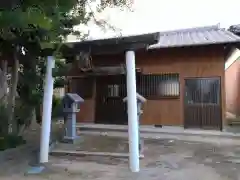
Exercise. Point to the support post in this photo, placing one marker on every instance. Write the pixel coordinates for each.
(133, 129)
(47, 111)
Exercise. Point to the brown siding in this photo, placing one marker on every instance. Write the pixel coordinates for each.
(232, 75)
(188, 62)
(86, 113)
(201, 62)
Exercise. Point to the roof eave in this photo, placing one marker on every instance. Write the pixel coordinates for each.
(156, 46)
(107, 46)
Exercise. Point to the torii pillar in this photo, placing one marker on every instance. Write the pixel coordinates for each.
(133, 127)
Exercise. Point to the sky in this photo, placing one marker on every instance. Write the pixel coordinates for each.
(162, 15)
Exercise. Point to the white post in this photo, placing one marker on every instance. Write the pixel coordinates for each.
(47, 111)
(133, 131)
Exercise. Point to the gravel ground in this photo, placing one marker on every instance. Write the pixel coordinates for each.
(93, 143)
(164, 160)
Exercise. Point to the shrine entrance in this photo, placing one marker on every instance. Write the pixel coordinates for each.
(110, 108)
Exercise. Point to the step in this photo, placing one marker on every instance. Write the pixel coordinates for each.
(87, 153)
(152, 129)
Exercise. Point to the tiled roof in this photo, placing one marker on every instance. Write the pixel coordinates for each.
(195, 36)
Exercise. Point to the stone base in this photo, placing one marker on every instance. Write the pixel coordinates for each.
(70, 140)
(35, 169)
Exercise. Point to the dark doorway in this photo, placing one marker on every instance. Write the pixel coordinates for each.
(202, 103)
(110, 108)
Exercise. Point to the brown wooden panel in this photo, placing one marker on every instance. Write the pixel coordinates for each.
(162, 112)
(85, 115)
(87, 108)
(83, 86)
(203, 116)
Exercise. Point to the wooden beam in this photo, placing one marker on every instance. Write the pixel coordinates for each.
(100, 73)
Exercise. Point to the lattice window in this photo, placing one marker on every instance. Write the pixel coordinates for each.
(155, 86)
(113, 90)
(203, 90)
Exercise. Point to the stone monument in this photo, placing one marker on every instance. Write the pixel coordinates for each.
(71, 106)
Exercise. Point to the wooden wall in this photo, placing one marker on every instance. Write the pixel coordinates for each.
(232, 86)
(188, 62)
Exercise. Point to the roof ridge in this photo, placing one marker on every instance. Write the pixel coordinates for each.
(195, 29)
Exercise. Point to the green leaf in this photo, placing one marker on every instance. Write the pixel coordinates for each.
(46, 45)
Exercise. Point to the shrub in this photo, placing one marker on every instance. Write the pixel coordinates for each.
(57, 107)
(3, 119)
(22, 114)
(10, 141)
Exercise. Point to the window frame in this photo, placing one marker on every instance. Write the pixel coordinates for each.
(154, 80)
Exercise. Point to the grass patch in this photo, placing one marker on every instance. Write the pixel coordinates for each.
(11, 141)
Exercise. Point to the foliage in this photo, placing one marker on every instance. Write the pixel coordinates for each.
(7, 141)
(235, 29)
(57, 107)
(59, 72)
(30, 85)
(30, 26)
(53, 28)
(3, 119)
(22, 114)
(10, 141)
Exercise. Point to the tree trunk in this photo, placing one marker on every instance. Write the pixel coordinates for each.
(3, 82)
(33, 124)
(3, 98)
(12, 96)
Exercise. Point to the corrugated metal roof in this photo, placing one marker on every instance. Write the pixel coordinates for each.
(195, 36)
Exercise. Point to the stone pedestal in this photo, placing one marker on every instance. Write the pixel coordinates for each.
(70, 135)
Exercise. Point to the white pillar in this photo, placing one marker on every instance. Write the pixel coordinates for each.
(47, 111)
(133, 129)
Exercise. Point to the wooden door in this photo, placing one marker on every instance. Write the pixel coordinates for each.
(110, 108)
(202, 103)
